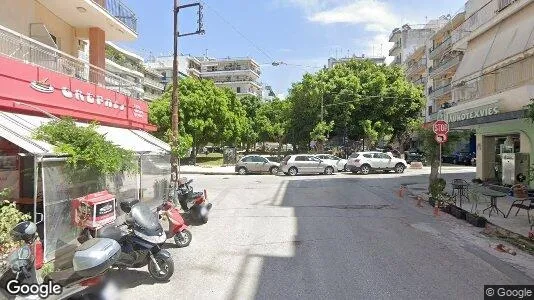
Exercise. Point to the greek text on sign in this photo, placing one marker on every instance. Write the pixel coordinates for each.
(474, 113)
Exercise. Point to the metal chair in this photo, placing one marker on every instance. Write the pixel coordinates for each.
(460, 189)
(523, 201)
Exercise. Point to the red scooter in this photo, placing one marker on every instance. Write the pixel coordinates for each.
(177, 225)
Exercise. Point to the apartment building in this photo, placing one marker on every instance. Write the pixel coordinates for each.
(239, 74)
(443, 60)
(410, 37)
(379, 60)
(53, 64)
(495, 80)
(188, 66)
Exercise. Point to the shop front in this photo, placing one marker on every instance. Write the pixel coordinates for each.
(37, 177)
(503, 135)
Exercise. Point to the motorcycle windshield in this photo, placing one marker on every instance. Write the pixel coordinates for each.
(145, 218)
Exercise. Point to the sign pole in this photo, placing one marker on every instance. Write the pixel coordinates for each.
(440, 159)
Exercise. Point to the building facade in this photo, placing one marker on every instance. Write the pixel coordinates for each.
(53, 64)
(408, 38)
(495, 81)
(188, 66)
(334, 61)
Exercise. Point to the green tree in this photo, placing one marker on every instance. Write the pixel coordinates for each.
(272, 121)
(320, 134)
(251, 105)
(352, 94)
(431, 148)
(208, 114)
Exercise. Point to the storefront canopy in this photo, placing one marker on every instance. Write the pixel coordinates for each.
(18, 129)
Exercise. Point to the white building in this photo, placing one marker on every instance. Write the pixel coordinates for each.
(408, 38)
(188, 66)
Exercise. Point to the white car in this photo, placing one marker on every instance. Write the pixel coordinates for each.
(340, 163)
(306, 164)
(365, 162)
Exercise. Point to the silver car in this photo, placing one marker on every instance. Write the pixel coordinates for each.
(256, 164)
(306, 164)
(340, 163)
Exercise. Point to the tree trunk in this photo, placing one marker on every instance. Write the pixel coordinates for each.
(319, 146)
(434, 167)
(280, 147)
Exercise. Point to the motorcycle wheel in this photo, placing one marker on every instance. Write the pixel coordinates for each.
(185, 241)
(166, 265)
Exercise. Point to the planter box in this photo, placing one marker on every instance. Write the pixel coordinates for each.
(476, 220)
(458, 212)
(446, 208)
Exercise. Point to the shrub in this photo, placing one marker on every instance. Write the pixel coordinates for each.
(9, 217)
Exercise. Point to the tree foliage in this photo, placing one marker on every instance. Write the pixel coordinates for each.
(88, 150)
(363, 98)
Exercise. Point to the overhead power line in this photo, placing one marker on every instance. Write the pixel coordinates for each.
(238, 31)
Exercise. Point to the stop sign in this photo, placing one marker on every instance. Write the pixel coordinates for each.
(440, 127)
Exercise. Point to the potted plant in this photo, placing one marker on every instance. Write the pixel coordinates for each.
(436, 191)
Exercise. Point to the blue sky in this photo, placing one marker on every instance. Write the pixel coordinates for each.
(302, 33)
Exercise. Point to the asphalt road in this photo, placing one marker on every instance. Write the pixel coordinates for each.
(328, 237)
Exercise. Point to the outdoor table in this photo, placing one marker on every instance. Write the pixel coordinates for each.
(459, 190)
(493, 199)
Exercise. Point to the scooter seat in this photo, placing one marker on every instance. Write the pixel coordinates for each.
(110, 232)
(64, 278)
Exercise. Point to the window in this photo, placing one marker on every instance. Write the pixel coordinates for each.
(258, 159)
(247, 159)
(354, 155)
(368, 155)
(385, 156)
(239, 89)
(323, 157)
(314, 158)
(334, 157)
(301, 158)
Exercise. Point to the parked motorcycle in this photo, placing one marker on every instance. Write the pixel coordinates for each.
(141, 243)
(90, 262)
(177, 226)
(194, 203)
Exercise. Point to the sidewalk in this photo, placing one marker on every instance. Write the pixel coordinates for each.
(228, 170)
(517, 225)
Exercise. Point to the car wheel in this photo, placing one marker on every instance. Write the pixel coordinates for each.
(365, 169)
(329, 170)
(242, 171)
(399, 168)
(273, 170)
(293, 171)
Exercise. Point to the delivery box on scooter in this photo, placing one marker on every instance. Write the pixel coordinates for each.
(94, 210)
(95, 256)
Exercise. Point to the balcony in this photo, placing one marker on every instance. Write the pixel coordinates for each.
(113, 16)
(395, 49)
(512, 76)
(440, 91)
(149, 96)
(444, 66)
(20, 47)
(491, 13)
(439, 49)
(417, 67)
(153, 83)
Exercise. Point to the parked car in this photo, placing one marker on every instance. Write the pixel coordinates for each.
(366, 162)
(256, 164)
(414, 155)
(341, 164)
(306, 164)
(456, 158)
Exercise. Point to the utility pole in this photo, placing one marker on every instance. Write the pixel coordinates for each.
(175, 101)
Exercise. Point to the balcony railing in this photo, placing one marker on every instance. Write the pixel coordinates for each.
(155, 84)
(440, 91)
(512, 76)
(17, 46)
(434, 51)
(121, 12)
(445, 65)
(417, 66)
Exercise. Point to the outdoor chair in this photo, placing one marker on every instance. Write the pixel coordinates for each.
(523, 201)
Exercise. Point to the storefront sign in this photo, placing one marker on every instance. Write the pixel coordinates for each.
(473, 113)
(30, 89)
